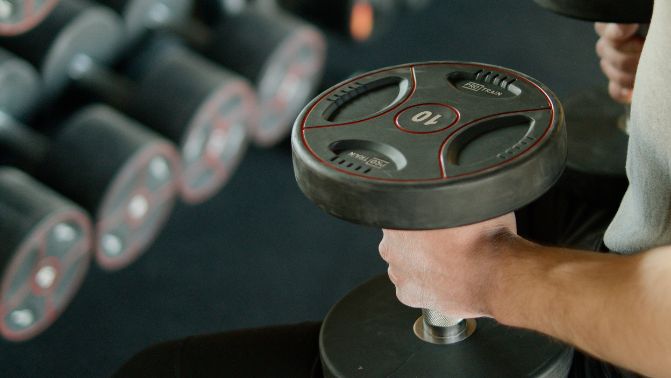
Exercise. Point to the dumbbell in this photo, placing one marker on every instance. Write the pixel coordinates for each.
(428, 146)
(140, 15)
(44, 255)
(119, 172)
(46, 239)
(201, 107)
(19, 16)
(598, 125)
(279, 53)
(359, 20)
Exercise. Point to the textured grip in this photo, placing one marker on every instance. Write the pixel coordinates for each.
(436, 319)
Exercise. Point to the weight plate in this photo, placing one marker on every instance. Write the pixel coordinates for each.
(44, 255)
(122, 173)
(140, 15)
(369, 334)
(19, 16)
(19, 85)
(597, 141)
(429, 145)
(203, 108)
(622, 11)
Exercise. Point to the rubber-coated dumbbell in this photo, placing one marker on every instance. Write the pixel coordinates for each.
(17, 17)
(598, 125)
(428, 146)
(46, 239)
(122, 174)
(44, 254)
(201, 107)
(280, 54)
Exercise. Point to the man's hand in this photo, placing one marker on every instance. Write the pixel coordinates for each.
(620, 50)
(449, 270)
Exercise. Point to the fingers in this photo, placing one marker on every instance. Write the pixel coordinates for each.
(624, 57)
(620, 51)
(615, 32)
(621, 78)
(619, 93)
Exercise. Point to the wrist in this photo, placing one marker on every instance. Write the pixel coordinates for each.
(520, 268)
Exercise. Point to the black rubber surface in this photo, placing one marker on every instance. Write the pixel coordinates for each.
(369, 334)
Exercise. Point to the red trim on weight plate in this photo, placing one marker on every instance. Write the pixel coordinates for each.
(412, 67)
(413, 88)
(33, 18)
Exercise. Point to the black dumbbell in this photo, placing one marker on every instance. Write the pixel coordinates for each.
(427, 146)
(201, 107)
(122, 174)
(279, 53)
(44, 254)
(141, 15)
(17, 17)
(598, 125)
(73, 27)
(45, 239)
(359, 20)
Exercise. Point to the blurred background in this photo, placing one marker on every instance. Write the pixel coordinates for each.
(179, 194)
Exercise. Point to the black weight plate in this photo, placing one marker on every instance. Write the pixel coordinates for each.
(619, 11)
(19, 85)
(44, 254)
(597, 142)
(369, 334)
(19, 16)
(429, 145)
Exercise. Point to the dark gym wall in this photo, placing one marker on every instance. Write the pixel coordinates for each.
(259, 253)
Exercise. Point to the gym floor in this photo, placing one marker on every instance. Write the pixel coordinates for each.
(260, 253)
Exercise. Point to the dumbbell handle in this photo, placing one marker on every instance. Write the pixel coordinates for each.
(21, 142)
(114, 89)
(437, 328)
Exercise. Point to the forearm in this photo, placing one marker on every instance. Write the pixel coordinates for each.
(615, 307)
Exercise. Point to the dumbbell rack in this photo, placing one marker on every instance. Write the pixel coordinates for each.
(145, 58)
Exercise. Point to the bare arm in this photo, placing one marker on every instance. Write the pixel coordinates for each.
(617, 308)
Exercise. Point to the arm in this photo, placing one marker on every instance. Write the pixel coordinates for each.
(615, 307)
